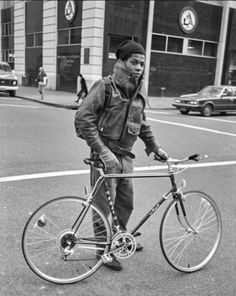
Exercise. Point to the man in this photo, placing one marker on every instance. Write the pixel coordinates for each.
(111, 134)
(83, 90)
(42, 81)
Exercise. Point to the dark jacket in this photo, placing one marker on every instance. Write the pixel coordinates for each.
(119, 126)
(83, 85)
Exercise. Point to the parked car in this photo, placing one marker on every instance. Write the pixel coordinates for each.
(8, 80)
(210, 99)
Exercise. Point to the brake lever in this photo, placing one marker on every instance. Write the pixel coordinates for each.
(197, 157)
(97, 163)
(158, 158)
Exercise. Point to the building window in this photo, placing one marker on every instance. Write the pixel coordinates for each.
(29, 40)
(183, 46)
(210, 49)
(75, 36)
(63, 37)
(175, 44)
(7, 33)
(7, 29)
(69, 36)
(159, 42)
(38, 39)
(34, 40)
(194, 47)
(8, 55)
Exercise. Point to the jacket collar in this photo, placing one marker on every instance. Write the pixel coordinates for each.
(143, 92)
(121, 77)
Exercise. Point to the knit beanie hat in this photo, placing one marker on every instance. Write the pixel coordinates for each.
(127, 47)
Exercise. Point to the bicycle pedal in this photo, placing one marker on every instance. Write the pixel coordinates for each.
(137, 234)
(106, 258)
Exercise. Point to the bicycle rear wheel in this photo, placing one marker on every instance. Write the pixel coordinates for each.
(184, 249)
(54, 251)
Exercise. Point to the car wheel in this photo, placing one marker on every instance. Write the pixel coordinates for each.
(12, 93)
(207, 110)
(185, 112)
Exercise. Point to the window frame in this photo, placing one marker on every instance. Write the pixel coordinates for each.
(34, 45)
(69, 36)
(186, 41)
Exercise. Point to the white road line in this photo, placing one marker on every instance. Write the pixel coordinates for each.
(12, 99)
(18, 106)
(157, 112)
(36, 107)
(193, 127)
(218, 119)
(43, 175)
(83, 172)
(195, 117)
(198, 165)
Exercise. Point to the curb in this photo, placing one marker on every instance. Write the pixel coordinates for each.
(75, 107)
(58, 105)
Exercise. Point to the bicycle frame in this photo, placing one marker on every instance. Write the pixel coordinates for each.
(49, 242)
(92, 240)
(174, 191)
(102, 180)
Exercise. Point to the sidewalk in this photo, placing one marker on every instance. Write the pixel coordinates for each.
(66, 100)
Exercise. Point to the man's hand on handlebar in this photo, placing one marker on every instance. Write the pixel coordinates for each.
(161, 155)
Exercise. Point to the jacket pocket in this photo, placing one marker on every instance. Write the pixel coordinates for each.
(134, 128)
(111, 126)
(112, 121)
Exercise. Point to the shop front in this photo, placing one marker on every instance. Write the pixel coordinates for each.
(68, 65)
(69, 44)
(229, 71)
(184, 47)
(124, 20)
(33, 41)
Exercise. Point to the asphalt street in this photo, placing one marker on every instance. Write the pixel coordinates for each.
(41, 158)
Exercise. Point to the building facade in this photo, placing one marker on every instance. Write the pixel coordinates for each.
(189, 44)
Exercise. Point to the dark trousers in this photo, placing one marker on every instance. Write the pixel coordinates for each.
(121, 190)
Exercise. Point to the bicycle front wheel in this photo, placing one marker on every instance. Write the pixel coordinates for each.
(58, 253)
(185, 248)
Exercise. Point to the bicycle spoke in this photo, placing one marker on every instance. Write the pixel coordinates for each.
(59, 254)
(184, 249)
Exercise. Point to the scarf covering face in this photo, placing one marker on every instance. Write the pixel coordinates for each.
(124, 79)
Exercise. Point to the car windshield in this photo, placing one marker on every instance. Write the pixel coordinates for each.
(211, 90)
(5, 68)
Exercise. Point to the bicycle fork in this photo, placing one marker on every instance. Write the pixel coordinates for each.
(180, 197)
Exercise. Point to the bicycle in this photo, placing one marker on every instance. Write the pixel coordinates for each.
(60, 245)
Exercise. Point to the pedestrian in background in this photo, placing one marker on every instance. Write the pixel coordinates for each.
(83, 90)
(111, 137)
(42, 82)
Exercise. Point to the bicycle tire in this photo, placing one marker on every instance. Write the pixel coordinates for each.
(48, 232)
(184, 250)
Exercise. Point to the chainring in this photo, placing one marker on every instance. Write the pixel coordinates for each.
(123, 245)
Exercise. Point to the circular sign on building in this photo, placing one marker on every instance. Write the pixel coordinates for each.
(188, 19)
(70, 10)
